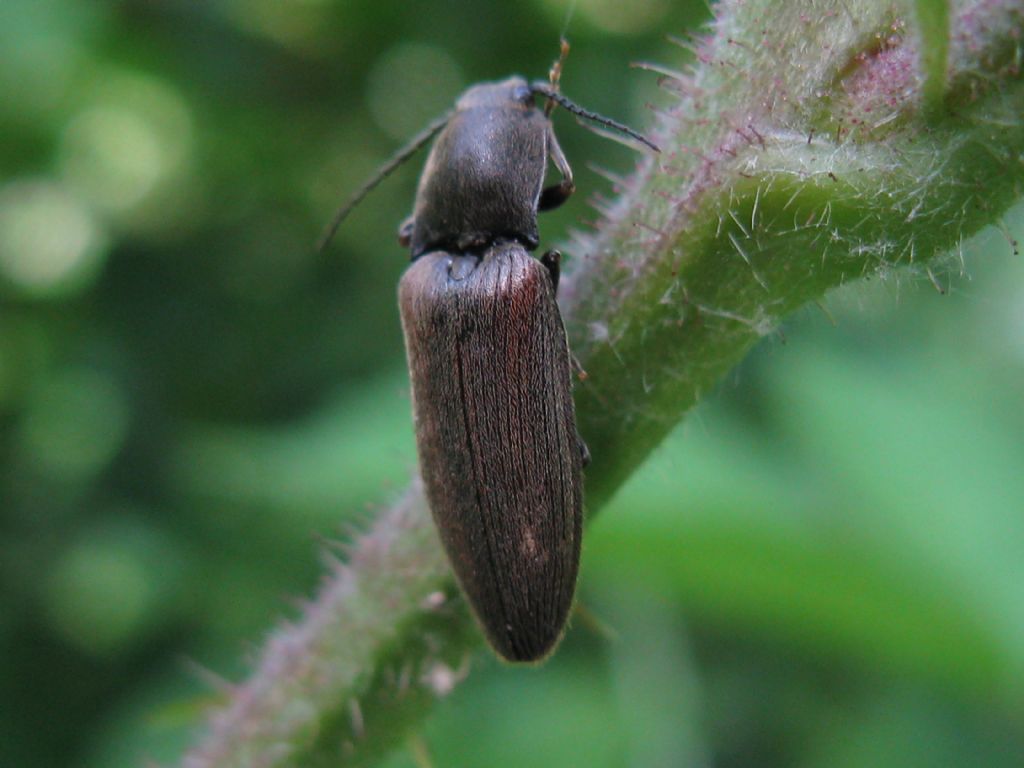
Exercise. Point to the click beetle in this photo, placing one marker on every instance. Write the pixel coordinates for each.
(500, 458)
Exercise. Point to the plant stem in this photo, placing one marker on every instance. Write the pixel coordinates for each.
(810, 145)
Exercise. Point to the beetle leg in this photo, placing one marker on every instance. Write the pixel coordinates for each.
(553, 261)
(405, 232)
(555, 195)
(584, 451)
(577, 366)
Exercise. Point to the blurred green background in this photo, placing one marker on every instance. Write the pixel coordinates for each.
(823, 567)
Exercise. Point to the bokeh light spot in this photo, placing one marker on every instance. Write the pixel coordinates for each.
(115, 155)
(75, 424)
(133, 138)
(410, 85)
(104, 590)
(45, 48)
(50, 245)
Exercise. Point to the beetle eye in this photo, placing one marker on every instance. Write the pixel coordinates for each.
(523, 94)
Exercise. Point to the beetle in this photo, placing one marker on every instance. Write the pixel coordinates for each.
(489, 363)
(495, 427)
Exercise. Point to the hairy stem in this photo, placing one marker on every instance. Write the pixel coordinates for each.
(809, 145)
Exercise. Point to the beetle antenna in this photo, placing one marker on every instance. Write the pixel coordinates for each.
(545, 90)
(403, 154)
(555, 74)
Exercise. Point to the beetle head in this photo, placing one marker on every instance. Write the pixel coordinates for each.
(513, 91)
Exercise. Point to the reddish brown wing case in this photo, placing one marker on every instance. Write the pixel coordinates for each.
(496, 431)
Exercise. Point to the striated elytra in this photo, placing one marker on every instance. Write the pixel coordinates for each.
(496, 432)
